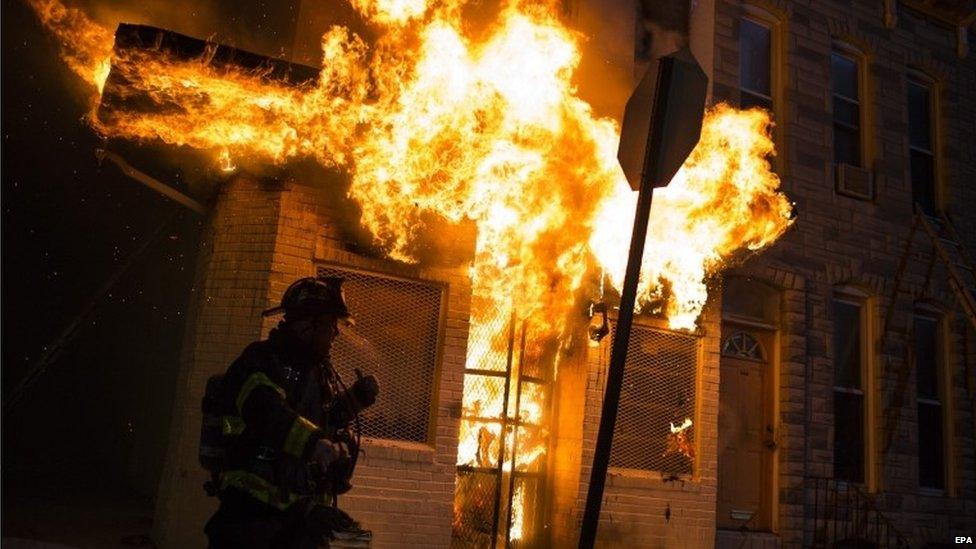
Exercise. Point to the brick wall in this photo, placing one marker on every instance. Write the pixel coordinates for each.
(404, 491)
(261, 238)
(635, 502)
(844, 241)
(639, 507)
(231, 290)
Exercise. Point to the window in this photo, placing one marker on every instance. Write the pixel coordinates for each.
(929, 362)
(846, 98)
(396, 338)
(849, 390)
(755, 65)
(761, 35)
(920, 143)
(658, 392)
(742, 345)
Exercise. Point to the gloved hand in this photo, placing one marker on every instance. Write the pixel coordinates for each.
(327, 452)
(364, 391)
(321, 521)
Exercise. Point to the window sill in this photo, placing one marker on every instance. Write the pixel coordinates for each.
(932, 492)
(651, 480)
(854, 182)
(397, 450)
(847, 485)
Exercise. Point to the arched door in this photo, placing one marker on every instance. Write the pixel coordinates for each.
(744, 429)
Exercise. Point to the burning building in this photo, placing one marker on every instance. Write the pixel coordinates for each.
(466, 186)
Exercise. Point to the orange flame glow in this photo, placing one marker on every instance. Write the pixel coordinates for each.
(723, 199)
(85, 46)
(431, 123)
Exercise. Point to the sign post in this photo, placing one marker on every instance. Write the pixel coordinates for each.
(662, 124)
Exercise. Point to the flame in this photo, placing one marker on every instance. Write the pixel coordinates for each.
(431, 123)
(518, 515)
(684, 425)
(677, 441)
(86, 47)
(390, 12)
(723, 199)
(225, 162)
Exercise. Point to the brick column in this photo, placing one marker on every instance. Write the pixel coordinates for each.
(261, 238)
(231, 289)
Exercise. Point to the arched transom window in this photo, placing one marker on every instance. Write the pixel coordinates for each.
(742, 345)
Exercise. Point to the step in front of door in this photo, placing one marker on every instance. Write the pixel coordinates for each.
(734, 539)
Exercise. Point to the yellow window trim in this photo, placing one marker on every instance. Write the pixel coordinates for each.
(864, 91)
(775, 20)
(867, 303)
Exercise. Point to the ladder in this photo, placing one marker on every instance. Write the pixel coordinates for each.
(962, 280)
(893, 409)
(959, 266)
(962, 277)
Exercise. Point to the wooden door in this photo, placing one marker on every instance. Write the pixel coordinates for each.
(743, 435)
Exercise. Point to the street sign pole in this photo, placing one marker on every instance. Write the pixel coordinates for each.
(669, 109)
(615, 373)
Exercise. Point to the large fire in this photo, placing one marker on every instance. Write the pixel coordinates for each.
(430, 122)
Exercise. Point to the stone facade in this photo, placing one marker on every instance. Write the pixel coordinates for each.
(842, 241)
(643, 508)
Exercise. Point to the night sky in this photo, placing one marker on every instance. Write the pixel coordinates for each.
(92, 432)
(100, 414)
(84, 448)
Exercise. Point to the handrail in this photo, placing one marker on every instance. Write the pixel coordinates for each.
(845, 515)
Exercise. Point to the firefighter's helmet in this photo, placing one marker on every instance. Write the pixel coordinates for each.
(311, 296)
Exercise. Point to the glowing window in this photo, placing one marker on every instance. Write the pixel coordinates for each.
(658, 392)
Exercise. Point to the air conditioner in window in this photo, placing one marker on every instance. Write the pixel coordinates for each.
(854, 182)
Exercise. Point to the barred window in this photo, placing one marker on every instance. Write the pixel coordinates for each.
(396, 337)
(658, 393)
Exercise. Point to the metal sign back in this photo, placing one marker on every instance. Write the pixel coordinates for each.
(662, 120)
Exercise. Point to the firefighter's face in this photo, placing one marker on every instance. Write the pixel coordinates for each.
(325, 330)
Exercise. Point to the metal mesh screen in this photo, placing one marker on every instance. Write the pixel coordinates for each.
(658, 390)
(475, 501)
(503, 439)
(395, 338)
(527, 530)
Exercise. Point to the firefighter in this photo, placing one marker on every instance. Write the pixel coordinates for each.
(279, 447)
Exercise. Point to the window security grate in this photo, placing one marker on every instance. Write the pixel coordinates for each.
(396, 338)
(658, 390)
